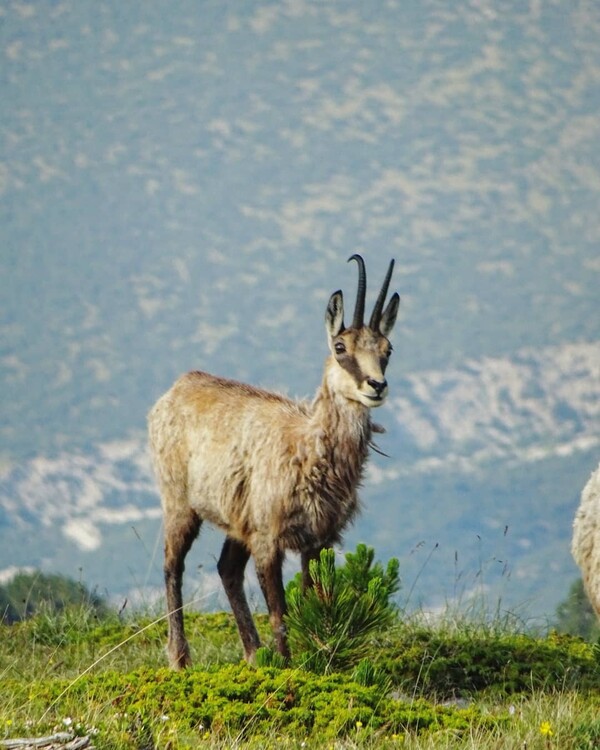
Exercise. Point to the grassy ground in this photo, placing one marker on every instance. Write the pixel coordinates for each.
(459, 686)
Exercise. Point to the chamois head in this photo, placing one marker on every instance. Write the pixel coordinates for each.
(360, 354)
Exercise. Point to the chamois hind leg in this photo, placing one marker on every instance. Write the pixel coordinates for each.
(181, 528)
(270, 578)
(231, 567)
(305, 559)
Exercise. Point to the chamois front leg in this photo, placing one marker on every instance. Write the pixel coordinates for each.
(270, 577)
(180, 531)
(231, 567)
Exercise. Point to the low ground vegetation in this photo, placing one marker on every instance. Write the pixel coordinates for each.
(406, 684)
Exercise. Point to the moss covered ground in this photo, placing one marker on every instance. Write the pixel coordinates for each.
(421, 686)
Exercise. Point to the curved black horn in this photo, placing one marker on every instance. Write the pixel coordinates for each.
(376, 315)
(359, 310)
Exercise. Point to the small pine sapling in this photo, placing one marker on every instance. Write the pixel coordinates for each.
(333, 623)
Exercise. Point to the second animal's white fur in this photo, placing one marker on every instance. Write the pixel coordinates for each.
(585, 544)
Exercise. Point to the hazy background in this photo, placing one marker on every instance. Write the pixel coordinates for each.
(181, 184)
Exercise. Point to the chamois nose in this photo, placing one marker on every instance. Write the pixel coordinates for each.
(378, 386)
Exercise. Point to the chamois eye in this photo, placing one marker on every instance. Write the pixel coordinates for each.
(340, 348)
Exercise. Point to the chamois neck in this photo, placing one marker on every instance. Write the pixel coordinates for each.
(344, 419)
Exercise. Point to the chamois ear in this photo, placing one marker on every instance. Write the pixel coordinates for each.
(334, 315)
(389, 315)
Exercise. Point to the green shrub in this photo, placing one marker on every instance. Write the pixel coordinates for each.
(29, 593)
(236, 701)
(575, 615)
(331, 625)
(433, 662)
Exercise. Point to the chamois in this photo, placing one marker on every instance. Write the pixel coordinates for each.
(585, 543)
(273, 473)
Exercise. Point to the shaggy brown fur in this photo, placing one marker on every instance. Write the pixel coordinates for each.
(272, 473)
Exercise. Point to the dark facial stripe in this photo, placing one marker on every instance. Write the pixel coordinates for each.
(351, 366)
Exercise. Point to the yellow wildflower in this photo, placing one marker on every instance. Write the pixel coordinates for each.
(546, 729)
